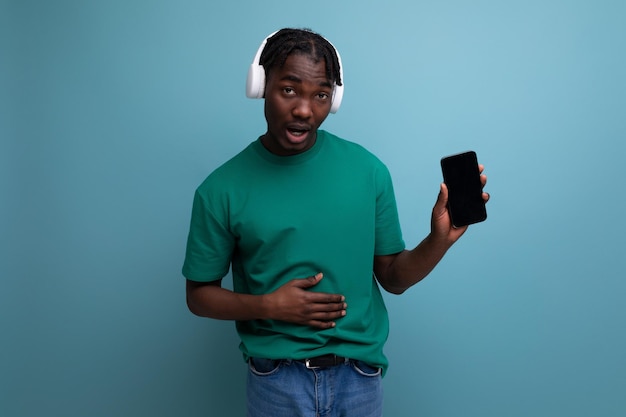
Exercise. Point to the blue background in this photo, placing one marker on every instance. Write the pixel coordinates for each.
(113, 112)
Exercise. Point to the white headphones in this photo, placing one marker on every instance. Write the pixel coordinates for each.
(255, 84)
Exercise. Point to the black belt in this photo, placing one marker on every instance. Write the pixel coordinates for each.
(323, 361)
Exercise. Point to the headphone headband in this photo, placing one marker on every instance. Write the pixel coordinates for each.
(255, 83)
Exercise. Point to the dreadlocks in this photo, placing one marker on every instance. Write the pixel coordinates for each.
(303, 41)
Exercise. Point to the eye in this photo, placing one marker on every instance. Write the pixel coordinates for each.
(289, 91)
(323, 96)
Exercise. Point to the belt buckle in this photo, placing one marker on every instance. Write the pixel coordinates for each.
(307, 363)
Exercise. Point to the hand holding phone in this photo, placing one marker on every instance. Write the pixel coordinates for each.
(462, 177)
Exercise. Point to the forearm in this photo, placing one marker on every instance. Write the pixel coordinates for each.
(293, 302)
(409, 267)
(216, 302)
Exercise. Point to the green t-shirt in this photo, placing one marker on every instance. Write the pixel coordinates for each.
(276, 218)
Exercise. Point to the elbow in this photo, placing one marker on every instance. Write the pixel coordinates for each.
(394, 290)
(196, 298)
(194, 304)
(390, 288)
(192, 307)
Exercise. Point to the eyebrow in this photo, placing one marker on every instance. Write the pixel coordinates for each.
(293, 78)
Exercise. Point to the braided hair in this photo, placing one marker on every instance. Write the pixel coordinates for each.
(304, 41)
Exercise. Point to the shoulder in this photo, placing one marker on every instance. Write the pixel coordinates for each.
(349, 149)
(232, 168)
(227, 178)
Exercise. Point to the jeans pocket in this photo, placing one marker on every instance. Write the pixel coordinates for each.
(366, 370)
(264, 367)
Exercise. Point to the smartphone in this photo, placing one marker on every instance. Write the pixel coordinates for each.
(465, 191)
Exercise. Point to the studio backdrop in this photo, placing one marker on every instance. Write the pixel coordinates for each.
(113, 112)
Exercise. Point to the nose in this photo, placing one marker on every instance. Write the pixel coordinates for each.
(302, 109)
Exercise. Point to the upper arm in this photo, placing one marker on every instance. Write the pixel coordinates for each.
(194, 285)
(382, 264)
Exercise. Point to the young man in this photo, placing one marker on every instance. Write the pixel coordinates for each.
(308, 223)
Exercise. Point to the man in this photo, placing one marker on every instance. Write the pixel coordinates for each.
(308, 223)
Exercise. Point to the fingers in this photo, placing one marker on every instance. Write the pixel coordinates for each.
(325, 307)
(308, 282)
(483, 181)
(322, 325)
(326, 319)
(312, 308)
(323, 315)
(328, 311)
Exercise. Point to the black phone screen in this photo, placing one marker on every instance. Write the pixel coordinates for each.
(465, 200)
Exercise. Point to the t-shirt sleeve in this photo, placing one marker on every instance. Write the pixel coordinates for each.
(209, 244)
(388, 232)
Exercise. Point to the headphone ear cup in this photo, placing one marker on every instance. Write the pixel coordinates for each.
(338, 90)
(255, 84)
(337, 97)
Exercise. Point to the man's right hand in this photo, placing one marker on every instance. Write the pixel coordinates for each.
(293, 303)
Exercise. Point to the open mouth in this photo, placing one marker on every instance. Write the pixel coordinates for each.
(298, 133)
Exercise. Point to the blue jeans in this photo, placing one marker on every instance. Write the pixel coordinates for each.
(288, 389)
